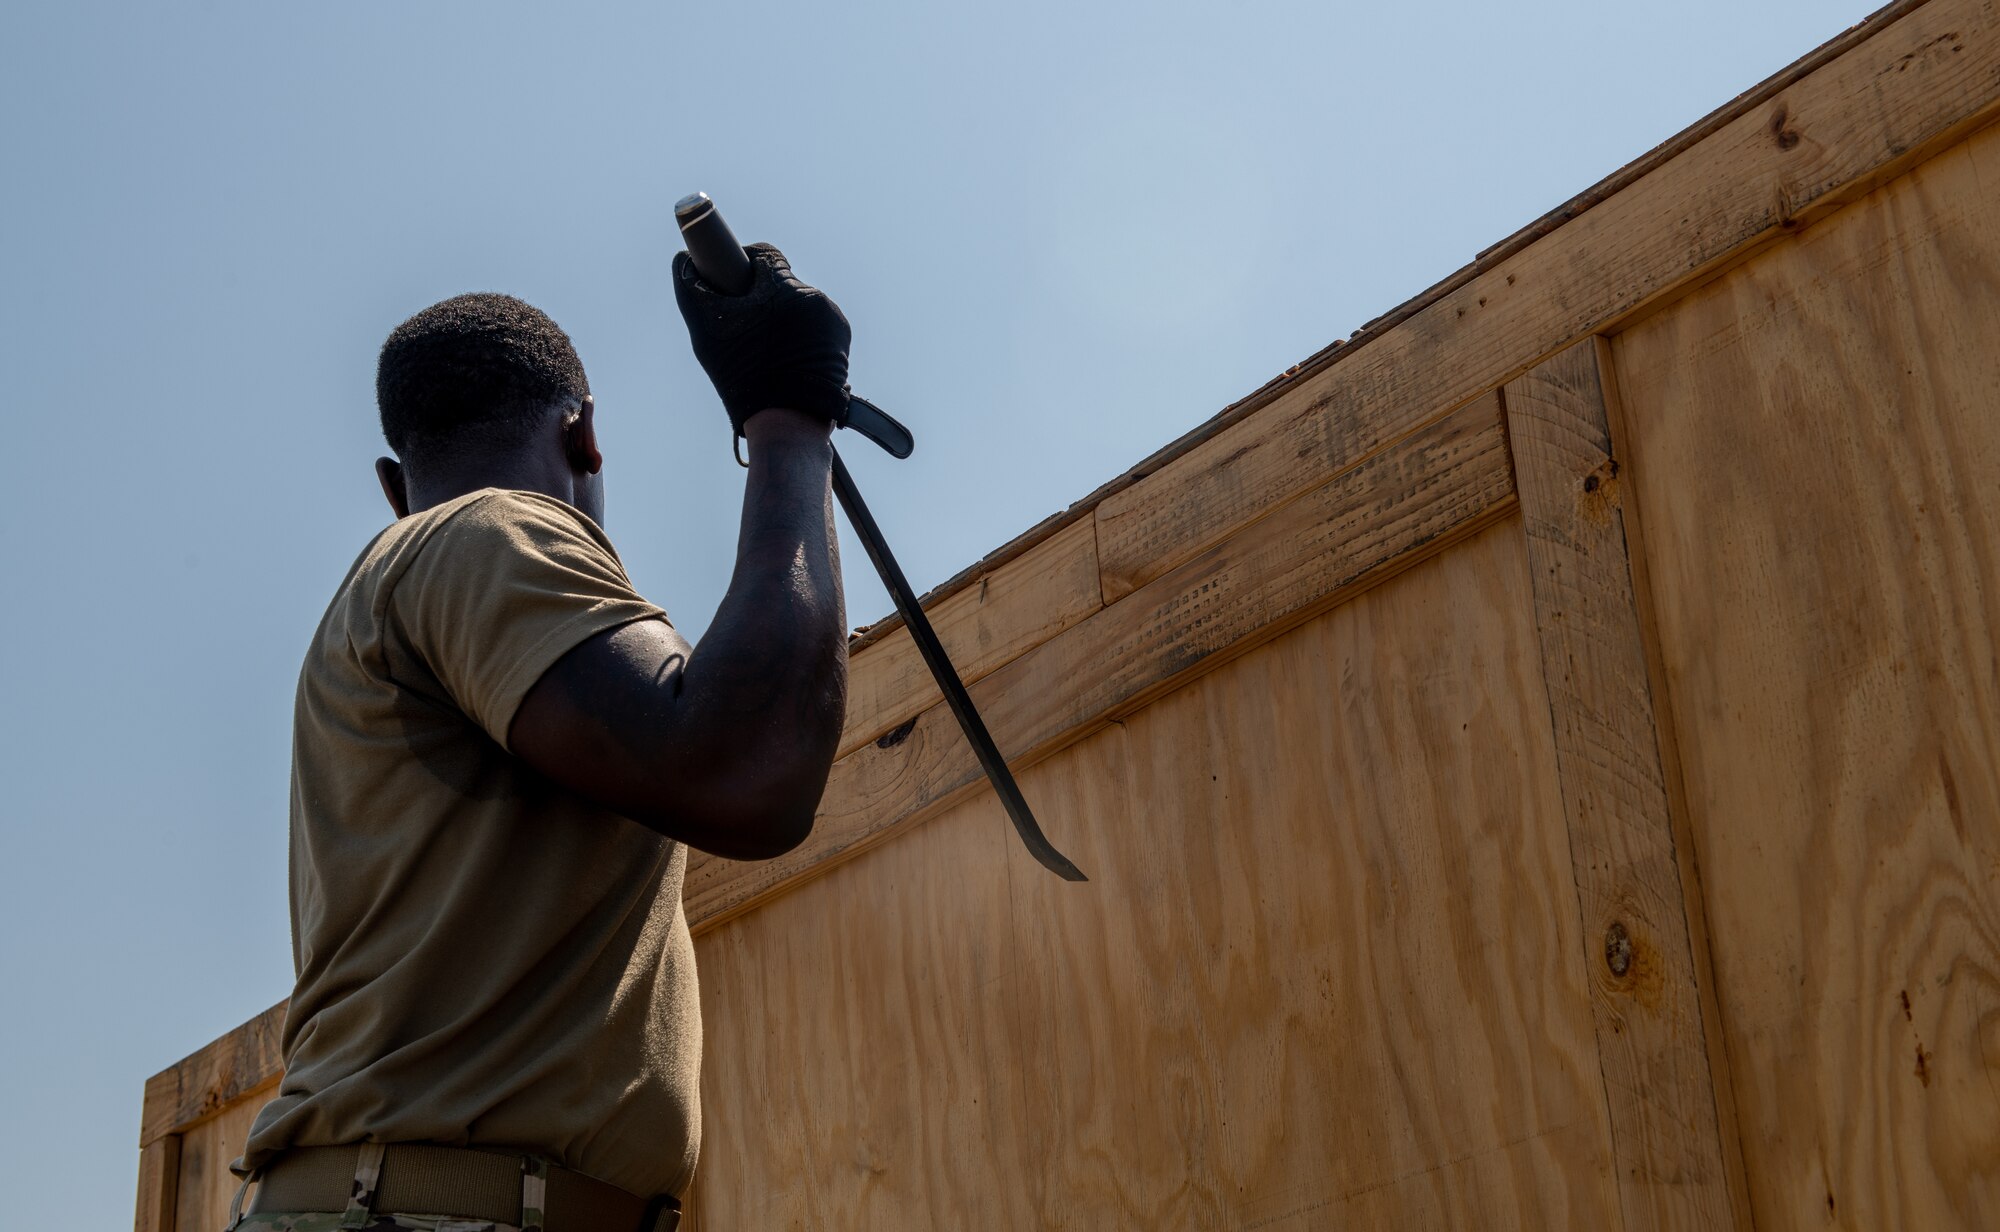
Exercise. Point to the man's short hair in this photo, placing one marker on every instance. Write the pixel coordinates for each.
(480, 368)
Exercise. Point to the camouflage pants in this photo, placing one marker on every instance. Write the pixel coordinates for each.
(329, 1221)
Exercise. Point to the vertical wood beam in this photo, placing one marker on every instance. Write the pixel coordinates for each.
(1667, 1109)
(159, 1184)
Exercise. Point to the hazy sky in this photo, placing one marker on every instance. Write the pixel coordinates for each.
(1065, 234)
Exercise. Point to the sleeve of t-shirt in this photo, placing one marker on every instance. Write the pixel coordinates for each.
(507, 585)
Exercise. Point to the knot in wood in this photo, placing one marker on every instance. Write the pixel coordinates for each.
(896, 735)
(1617, 949)
(1782, 130)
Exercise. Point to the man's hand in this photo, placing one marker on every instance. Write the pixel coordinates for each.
(780, 344)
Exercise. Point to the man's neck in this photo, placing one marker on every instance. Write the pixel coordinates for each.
(431, 489)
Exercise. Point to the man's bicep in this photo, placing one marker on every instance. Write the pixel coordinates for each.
(599, 721)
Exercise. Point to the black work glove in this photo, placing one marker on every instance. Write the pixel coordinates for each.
(780, 344)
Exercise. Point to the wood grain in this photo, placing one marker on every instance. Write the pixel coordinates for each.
(211, 1080)
(1015, 608)
(1326, 973)
(1816, 445)
(159, 1184)
(1913, 86)
(1356, 530)
(206, 1184)
(1645, 992)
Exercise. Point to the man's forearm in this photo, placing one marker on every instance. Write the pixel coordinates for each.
(727, 744)
(774, 661)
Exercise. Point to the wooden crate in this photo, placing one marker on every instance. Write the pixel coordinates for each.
(1538, 762)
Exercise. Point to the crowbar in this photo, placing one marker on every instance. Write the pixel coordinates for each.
(724, 266)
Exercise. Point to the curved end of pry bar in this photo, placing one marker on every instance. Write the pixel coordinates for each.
(1032, 838)
(1059, 864)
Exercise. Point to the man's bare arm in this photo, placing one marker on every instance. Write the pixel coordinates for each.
(726, 745)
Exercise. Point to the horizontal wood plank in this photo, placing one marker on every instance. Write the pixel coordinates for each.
(1880, 108)
(1000, 615)
(1361, 527)
(216, 1077)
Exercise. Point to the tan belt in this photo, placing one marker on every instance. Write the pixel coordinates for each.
(468, 1183)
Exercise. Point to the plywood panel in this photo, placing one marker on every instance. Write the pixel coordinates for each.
(1815, 446)
(1327, 970)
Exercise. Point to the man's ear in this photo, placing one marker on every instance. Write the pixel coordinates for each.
(390, 473)
(580, 439)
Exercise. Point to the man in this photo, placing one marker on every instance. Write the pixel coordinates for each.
(501, 754)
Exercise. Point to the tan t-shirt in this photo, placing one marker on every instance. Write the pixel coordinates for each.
(483, 957)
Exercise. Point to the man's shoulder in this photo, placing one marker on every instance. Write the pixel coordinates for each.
(504, 519)
(491, 546)
(396, 547)
(480, 524)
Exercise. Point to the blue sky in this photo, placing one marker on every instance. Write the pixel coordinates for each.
(1065, 234)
